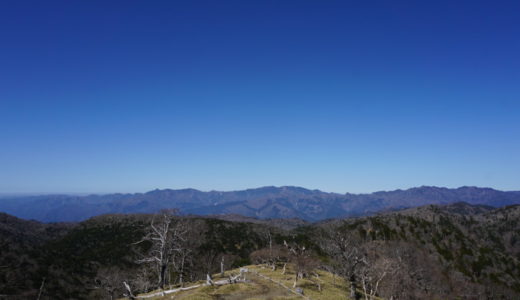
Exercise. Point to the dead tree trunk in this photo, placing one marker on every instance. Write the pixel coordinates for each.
(353, 294)
(271, 259)
(181, 272)
(41, 289)
(129, 293)
(222, 266)
(162, 275)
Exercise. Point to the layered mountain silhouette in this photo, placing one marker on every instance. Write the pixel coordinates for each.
(263, 203)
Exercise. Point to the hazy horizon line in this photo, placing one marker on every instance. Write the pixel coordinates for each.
(7, 194)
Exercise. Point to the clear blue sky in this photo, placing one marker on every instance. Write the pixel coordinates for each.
(343, 96)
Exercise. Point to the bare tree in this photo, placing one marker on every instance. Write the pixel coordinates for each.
(302, 259)
(108, 282)
(208, 260)
(342, 247)
(372, 274)
(270, 242)
(376, 265)
(183, 257)
(165, 236)
(143, 278)
(184, 262)
(41, 289)
(415, 275)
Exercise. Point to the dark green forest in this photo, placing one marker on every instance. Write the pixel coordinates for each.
(457, 251)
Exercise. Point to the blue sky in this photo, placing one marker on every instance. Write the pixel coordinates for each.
(343, 96)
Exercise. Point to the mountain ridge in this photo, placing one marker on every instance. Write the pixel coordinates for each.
(268, 202)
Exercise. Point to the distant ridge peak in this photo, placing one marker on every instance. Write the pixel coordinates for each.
(268, 202)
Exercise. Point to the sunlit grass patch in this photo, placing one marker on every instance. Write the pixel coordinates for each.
(332, 287)
(278, 287)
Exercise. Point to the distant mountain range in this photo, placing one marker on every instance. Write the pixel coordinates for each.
(263, 203)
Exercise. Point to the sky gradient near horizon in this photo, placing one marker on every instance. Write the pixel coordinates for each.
(342, 96)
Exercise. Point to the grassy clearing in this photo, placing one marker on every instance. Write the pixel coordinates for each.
(262, 289)
(331, 288)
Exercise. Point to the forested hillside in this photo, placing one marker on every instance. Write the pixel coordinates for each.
(457, 251)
